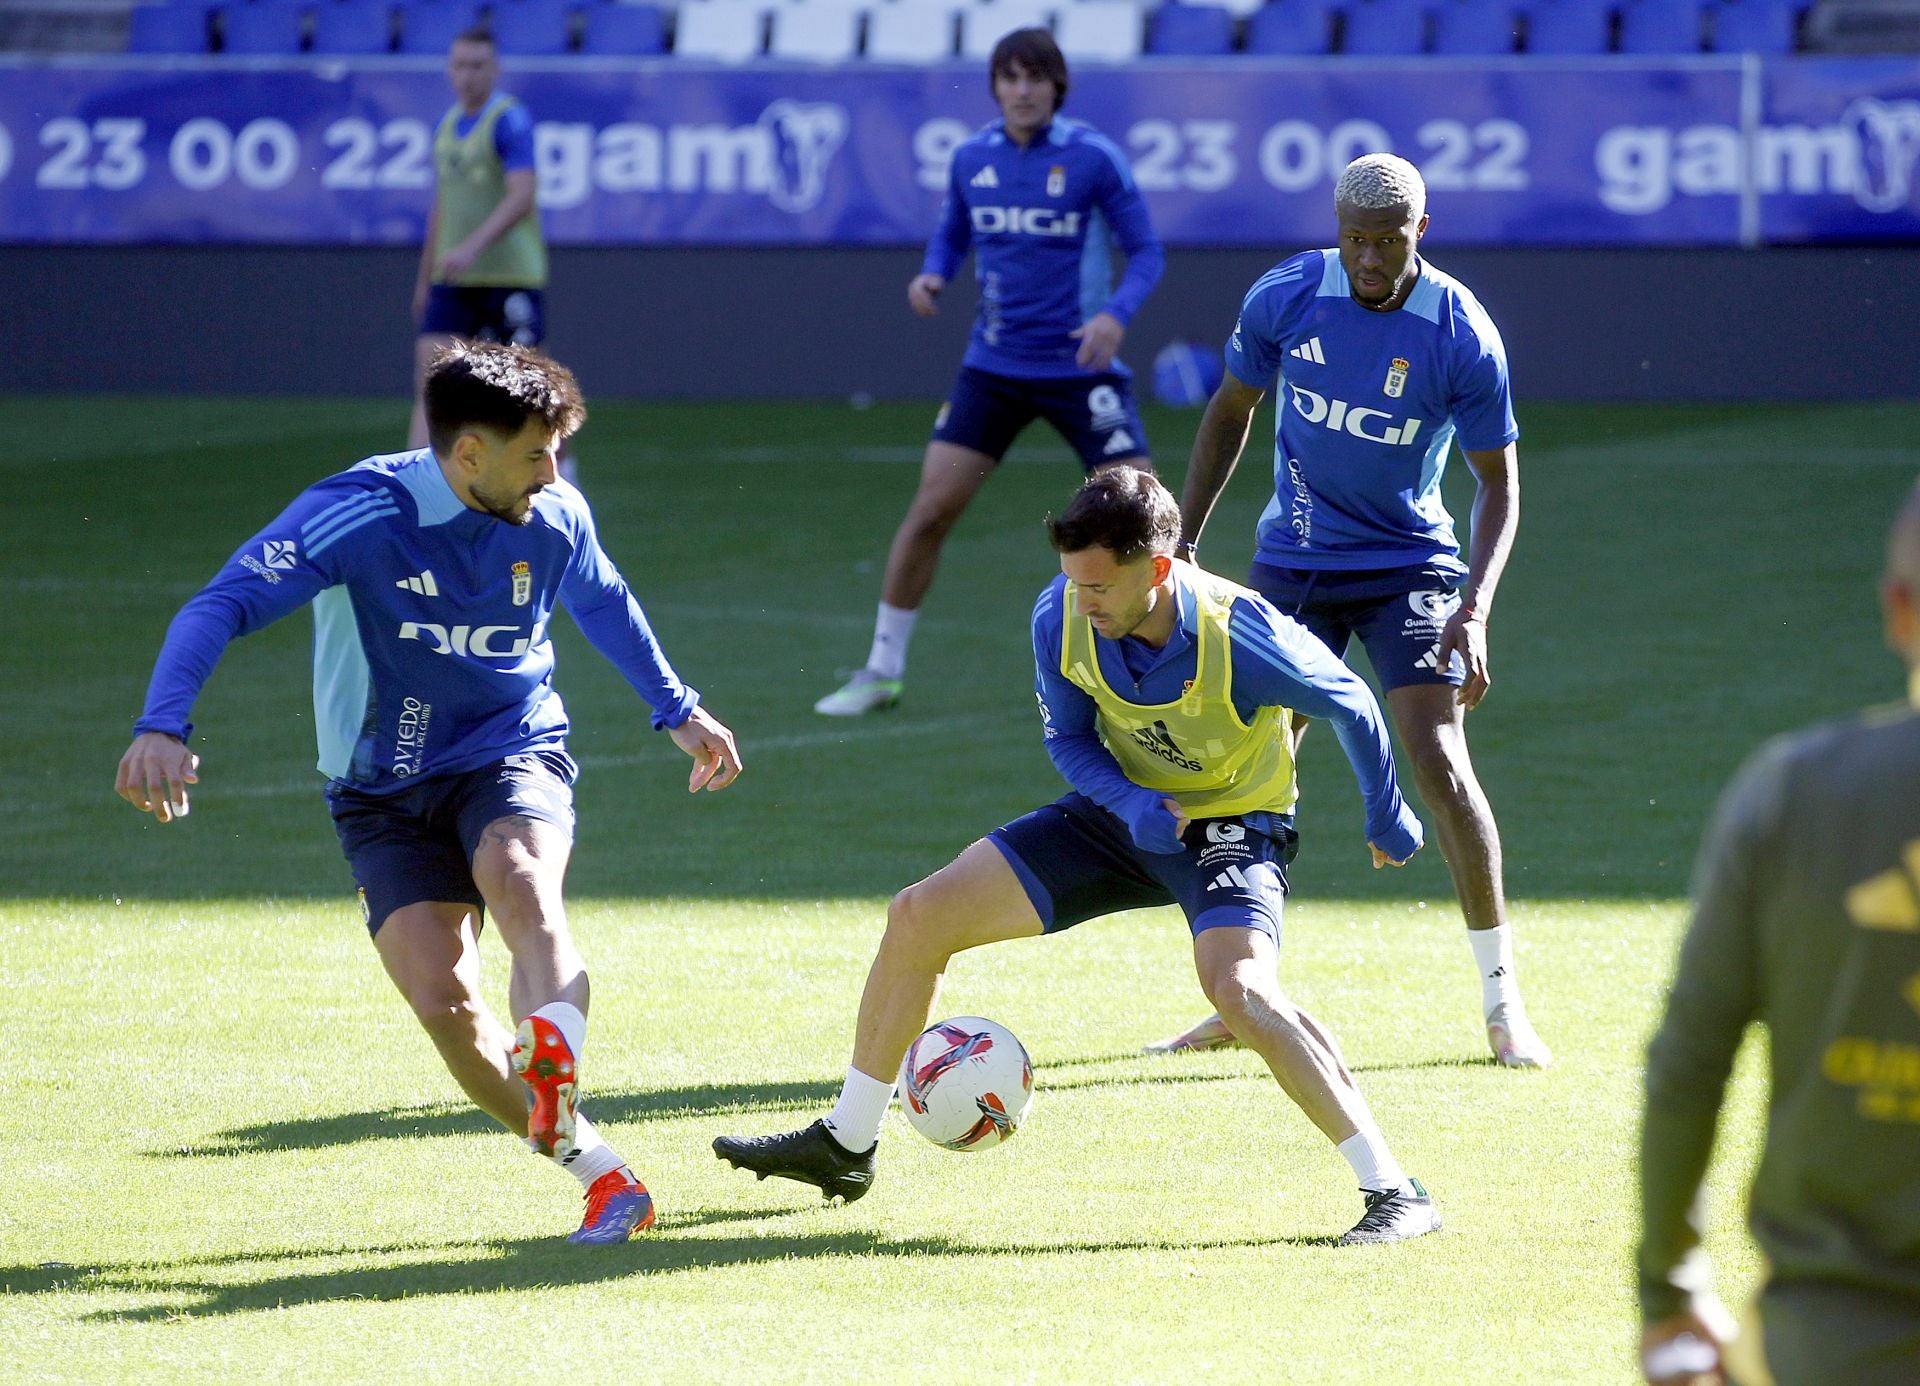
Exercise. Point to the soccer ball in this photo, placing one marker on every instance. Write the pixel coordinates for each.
(966, 1083)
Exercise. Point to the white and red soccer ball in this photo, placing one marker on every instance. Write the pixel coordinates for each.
(966, 1083)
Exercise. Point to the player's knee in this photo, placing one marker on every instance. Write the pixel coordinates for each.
(916, 923)
(444, 1007)
(930, 518)
(1245, 994)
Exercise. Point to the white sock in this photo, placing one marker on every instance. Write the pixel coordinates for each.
(569, 1022)
(591, 1157)
(892, 629)
(855, 1118)
(1373, 1164)
(1493, 951)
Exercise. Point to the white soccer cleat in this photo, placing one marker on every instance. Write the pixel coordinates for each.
(1512, 1038)
(1211, 1033)
(865, 692)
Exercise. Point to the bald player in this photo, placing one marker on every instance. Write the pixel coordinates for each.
(1807, 921)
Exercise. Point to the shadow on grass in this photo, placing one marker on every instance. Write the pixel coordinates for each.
(468, 1268)
(632, 1106)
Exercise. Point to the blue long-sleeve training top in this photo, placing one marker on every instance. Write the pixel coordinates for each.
(1277, 662)
(1042, 220)
(431, 654)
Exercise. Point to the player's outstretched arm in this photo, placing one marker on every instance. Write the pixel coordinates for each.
(1217, 446)
(716, 760)
(154, 775)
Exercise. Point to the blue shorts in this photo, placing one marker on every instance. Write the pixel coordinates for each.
(1078, 862)
(417, 845)
(517, 317)
(1094, 413)
(1398, 614)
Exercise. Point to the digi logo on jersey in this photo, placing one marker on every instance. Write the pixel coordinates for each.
(1025, 221)
(1341, 417)
(485, 642)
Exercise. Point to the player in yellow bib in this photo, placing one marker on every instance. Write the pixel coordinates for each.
(483, 268)
(1166, 694)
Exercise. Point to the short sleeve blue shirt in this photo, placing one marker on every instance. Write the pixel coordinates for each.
(1369, 406)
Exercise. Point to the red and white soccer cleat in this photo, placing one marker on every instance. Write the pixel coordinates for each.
(618, 1205)
(546, 1064)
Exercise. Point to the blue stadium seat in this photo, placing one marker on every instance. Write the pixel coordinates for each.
(267, 27)
(1190, 30)
(1474, 28)
(1660, 26)
(533, 28)
(353, 27)
(433, 28)
(1569, 27)
(627, 30)
(1385, 28)
(1754, 26)
(169, 28)
(1296, 27)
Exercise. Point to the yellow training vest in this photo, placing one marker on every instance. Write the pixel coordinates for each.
(471, 183)
(1196, 750)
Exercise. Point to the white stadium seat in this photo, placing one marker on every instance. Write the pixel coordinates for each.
(985, 22)
(1100, 31)
(910, 31)
(722, 31)
(818, 31)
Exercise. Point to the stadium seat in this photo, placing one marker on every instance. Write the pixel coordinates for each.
(267, 27)
(1474, 28)
(1098, 31)
(816, 31)
(916, 31)
(1754, 26)
(625, 30)
(169, 28)
(1190, 30)
(1292, 27)
(433, 28)
(720, 31)
(984, 24)
(1660, 26)
(1385, 28)
(532, 28)
(1569, 28)
(353, 27)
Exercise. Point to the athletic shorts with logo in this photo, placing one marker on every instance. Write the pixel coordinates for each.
(417, 845)
(517, 317)
(1094, 413)
(1078, 862)
(1398, 613)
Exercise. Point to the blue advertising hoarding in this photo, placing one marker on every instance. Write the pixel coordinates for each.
(1517, 151)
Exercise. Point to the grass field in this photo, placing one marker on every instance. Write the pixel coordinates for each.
(229, 1153)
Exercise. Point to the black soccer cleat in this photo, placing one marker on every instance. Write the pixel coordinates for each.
(1394, 1216)
(810, 1155)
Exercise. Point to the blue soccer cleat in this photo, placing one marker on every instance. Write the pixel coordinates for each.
(618, 1205)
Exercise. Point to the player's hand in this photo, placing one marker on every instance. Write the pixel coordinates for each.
(923, 294)
(457, 262)
(716, 760)
(1466, 635)
(1180, 820)
(1099, 341)
(1381, 858)
(1687, 1349)
(154, 775)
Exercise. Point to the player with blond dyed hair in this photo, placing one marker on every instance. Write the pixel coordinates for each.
(1383, 363)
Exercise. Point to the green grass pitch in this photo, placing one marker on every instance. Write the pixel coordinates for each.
(227, 1152)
